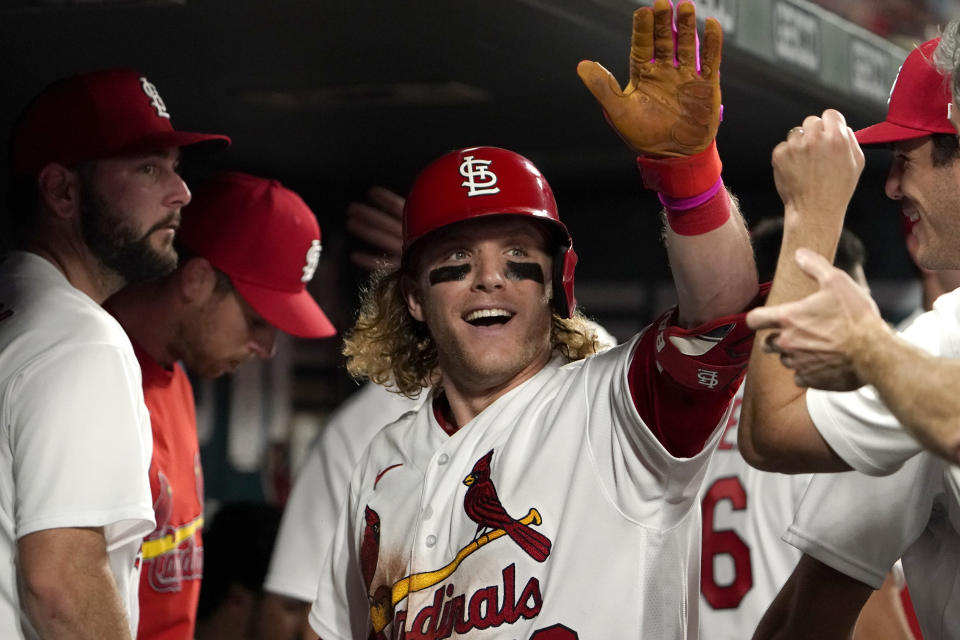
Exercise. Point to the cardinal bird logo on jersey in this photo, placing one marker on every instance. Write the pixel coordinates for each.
(381, 609)
(370, 546)
(484, 507)
(450, 611)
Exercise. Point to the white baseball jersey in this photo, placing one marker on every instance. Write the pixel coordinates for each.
(310, 515)
(860, 525)
(75, 431)
(925, 495)
(554, 513)
(744, 561)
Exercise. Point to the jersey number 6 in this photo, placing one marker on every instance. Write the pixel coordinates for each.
(724, 541)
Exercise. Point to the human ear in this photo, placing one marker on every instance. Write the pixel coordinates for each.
(411, 294)
(59, 190)
(197, 280)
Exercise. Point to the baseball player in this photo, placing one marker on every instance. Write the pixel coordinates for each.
(249, 246)
(311, 511)
(784, 427)
(97, 201)
(531, 474)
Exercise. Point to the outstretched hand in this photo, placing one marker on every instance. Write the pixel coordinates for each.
(819, 336)
(378, 224)
(671, 105)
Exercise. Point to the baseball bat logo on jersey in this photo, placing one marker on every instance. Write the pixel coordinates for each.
(484, 507)
(480, 180)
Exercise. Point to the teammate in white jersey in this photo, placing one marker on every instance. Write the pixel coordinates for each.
(537, 493)
(97, 199)
(823, 338)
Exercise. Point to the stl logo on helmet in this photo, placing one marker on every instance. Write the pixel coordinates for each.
(313, 258)
(479, 178)
(155, 100)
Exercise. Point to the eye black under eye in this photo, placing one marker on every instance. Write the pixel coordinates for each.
(449, 274)
(525, 271)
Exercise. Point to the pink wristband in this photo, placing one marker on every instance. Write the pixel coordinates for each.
(683, 204)
(706, 215)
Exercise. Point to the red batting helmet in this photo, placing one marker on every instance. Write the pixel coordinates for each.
(484, 181)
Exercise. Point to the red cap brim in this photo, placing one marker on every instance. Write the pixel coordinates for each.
(296, 313)
(173, 139)
(886, 132)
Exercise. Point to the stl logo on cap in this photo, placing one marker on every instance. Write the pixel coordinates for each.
(479, 178)
(155, 100)
(313, 258)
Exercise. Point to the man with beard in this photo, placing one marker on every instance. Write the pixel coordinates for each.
(95, 204)
(248, 248)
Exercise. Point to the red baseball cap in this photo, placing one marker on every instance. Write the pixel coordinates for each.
(267, 240)
(100, 114)
(919, 101)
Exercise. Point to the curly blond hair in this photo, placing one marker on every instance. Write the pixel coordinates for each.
(389, 347)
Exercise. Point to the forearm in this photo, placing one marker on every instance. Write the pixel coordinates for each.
(67, 588)
(919, 389)
(815, 170)
(714, 272)
(776, 432)
(799, 230)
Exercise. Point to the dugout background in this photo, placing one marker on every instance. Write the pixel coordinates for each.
(333, 96)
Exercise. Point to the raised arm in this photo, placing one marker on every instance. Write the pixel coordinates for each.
(816, 170)
(668, 113)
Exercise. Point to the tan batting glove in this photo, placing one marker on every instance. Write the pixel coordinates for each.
(666, 109)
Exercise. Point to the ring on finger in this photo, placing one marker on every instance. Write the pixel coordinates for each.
(798, 130)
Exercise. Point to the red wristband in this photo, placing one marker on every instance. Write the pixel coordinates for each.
(683, 177)
(701, 218)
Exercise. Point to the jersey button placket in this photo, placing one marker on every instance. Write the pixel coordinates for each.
(431, 540)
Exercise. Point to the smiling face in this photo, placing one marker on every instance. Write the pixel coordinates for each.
(930, 195)
(130, 210)
(483, 289)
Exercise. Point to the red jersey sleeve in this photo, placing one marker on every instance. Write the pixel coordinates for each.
(682, 380)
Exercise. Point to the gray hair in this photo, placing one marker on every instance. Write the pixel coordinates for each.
(947, 56)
